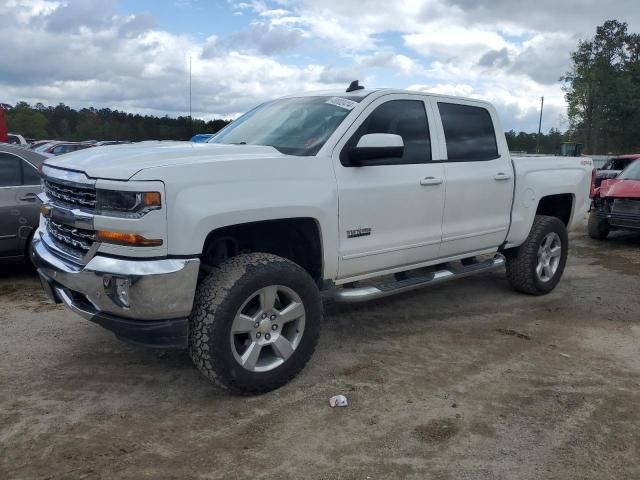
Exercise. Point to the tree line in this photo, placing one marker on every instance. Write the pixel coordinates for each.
(602, 90)
(65, 123)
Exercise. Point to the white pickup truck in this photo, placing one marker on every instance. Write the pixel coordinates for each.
(224, 247)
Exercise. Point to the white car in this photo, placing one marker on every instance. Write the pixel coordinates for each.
(224, 247)
(18, 140)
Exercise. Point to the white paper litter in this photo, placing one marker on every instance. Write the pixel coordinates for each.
(338, 401)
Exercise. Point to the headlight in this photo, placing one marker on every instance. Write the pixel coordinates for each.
(126, 204)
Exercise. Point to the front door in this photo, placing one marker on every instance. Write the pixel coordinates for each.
(390, 211)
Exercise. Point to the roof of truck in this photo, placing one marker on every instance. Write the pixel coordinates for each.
(380, 91)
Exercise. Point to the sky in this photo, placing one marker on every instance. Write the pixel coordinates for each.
(134, 55)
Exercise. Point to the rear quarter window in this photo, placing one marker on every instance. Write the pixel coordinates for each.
(468, 132)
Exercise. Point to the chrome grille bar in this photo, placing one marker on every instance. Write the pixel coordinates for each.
(74, 241)
(71, 196)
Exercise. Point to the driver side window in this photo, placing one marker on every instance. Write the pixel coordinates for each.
(407, 118)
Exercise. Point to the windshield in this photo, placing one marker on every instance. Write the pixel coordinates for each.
(42, 148)
(295, 126)
(632, 172)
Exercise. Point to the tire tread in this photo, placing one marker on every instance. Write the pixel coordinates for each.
(521, 260)
(211, 295)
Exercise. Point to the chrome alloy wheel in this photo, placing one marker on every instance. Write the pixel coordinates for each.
(267, 328)
(549, 254)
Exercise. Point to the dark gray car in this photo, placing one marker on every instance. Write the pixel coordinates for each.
(19, 208)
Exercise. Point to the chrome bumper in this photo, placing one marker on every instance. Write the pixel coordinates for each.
(140, 290)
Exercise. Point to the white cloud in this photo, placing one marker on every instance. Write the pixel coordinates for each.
(83, 52)
(388, 59)
(441, 41)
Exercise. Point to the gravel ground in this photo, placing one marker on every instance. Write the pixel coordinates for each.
(468, 380)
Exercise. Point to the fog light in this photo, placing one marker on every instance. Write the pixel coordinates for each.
(122, 291)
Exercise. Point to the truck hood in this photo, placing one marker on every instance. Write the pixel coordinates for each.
(121, 162)
(620, 189)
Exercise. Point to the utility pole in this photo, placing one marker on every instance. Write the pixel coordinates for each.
(189, 88)
(539, 125)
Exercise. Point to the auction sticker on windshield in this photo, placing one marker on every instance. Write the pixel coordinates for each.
(342, 103)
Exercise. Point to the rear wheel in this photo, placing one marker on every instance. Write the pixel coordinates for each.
(255, 323)
(536, 266)
(598, 227)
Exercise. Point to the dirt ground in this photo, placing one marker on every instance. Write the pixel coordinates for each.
(468, 380)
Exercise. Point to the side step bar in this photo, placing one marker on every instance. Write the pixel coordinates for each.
(371, 292)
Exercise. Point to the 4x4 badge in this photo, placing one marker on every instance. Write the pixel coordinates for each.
(358, 232)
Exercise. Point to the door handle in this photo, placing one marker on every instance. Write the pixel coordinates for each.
(29, 197)
(426, 181)
(502, 176)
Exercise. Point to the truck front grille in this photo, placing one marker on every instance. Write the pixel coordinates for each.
(70, 196)
(73, 241)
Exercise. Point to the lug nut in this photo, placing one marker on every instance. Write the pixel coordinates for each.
(274, 327)
(258, 335)
(256, 325)
(264, 315)
(267, 336)
(273, 317)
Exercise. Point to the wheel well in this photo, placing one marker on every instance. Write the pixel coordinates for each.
(559, 206)
(296, 239)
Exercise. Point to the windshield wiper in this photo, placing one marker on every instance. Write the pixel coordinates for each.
(238, 143)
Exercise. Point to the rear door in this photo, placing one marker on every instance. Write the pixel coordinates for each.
(390, 211)
(479, 177)
(19, 211)
(10, 182)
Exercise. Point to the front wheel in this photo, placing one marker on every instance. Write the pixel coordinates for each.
(255, 323)
(536, 266)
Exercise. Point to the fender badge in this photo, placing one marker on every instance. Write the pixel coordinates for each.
(358, 232)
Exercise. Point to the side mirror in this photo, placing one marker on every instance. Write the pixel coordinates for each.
(376, 146)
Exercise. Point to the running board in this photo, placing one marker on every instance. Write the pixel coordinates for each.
(363, 294)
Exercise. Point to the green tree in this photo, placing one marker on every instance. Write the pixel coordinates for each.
(29, 123)
(602, 90)
(64, 123)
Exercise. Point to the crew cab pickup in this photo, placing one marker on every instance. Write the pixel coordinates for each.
(223, 248)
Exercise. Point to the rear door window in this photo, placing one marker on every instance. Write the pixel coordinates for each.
(407, 118)
(9, 170)
(468, 132)
(29, 174)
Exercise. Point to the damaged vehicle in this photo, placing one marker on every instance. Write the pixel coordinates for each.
(616, 204)
(223, 248)
(613, 167)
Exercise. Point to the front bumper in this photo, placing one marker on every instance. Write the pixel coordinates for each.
(621, 221)
(144, 301)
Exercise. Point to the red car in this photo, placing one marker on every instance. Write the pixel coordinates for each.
(614, 166)
(616, 203)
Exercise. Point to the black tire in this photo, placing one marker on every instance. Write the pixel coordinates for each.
(220, 296)
(522, 261)
(598, 227)
(28, 251)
